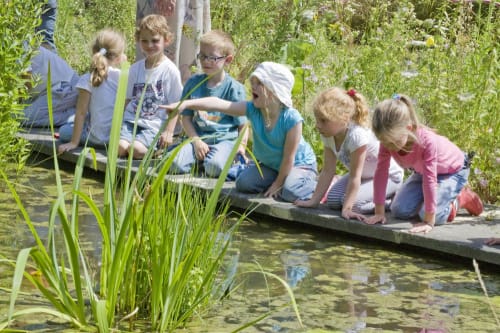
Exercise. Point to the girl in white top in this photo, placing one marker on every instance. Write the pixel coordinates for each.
(342, 119)
(96, 94)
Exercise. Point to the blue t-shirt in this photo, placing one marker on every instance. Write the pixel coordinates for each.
(214, 126)
(268, 145)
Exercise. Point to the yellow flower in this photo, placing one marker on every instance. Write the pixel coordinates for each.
(430, 42)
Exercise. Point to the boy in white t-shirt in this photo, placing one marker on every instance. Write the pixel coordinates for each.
(157, 79)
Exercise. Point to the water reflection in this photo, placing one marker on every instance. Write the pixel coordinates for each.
(341, 284)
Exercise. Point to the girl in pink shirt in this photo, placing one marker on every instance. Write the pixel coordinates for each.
(436, 189)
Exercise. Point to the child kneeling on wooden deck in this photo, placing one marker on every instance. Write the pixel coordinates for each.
(437, 188)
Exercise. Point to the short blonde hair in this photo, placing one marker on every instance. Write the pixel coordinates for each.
(220, 40)
(156, 24)
(340, 105)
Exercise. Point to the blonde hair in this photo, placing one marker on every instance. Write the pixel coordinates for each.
(107, 46)
(340, 105)
(156, 24)
(394, 118)
(220, 40)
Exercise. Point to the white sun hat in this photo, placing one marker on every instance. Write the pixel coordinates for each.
(278, 79)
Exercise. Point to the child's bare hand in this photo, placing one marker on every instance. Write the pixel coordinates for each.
(306, 203)
(165, 140)
(201, 149)
(349, 214)
(421, 228)
(273, 191)
(169, 108)
(492, 241)
(377, 218)
(66, 147)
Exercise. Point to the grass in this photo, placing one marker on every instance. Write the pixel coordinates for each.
(443, 54)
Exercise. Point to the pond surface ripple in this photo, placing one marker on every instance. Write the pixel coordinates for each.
(341, 284)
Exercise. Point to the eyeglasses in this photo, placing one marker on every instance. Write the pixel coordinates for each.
(211, 59)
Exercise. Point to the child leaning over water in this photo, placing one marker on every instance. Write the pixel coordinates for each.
(152, 81)
(342, 119)
(437, 188)
(96, 94)
(287, 161)
(213, 133)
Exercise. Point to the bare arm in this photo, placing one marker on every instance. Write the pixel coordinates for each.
(209, 103)
(291, 144)
(324, 179)
(355, 170)
(82, 107)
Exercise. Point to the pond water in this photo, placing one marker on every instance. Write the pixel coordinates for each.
(341, 284)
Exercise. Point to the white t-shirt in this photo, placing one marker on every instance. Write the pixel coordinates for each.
(358, 136)
(163, 86)
(102, 103)
(60, 71)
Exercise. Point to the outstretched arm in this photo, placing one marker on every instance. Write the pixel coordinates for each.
(209, 104)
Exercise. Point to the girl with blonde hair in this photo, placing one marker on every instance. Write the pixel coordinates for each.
(437, 187)
(96, 94)
(342, 119)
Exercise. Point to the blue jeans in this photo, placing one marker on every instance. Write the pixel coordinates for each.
(408, 201)
(213, 163)
(299, 184)
(66, 133)
(48, 25)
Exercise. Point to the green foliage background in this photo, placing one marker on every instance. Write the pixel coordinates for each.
(443, 54)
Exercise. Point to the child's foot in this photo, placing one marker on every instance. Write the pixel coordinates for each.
(453, 211)
(469, 200)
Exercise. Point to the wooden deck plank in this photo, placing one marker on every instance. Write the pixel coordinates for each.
(464, 238)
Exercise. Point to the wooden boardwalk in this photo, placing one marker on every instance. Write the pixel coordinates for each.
(461, 239)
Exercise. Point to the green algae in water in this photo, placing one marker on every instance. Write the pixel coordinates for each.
(340, 284)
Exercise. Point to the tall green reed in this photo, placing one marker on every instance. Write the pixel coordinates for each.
(161, 244)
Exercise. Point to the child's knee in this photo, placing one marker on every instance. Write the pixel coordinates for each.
(402, 212)
(212, 168)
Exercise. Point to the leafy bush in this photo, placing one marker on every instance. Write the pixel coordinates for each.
(443, 54)
(18, 41)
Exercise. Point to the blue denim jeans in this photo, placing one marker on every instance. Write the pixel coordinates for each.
(408, 201)
(213, 163)
(48, 25)
(299, 184)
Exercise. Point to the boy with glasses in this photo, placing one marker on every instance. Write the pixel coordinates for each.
(212, 133)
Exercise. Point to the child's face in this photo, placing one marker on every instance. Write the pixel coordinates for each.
(328, 127)
(212, 59)
(152, 44)
(261, 96)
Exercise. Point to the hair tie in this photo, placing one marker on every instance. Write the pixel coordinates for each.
(396, 96)
(103, 51)
(351, 92)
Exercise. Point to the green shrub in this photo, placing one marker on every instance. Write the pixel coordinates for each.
(18, 42)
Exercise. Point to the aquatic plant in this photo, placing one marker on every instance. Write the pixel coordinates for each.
(161, 249)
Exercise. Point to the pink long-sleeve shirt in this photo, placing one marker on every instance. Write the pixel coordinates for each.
(431, 156)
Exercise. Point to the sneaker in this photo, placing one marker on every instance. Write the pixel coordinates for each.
(469, 200)
(453, 211)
